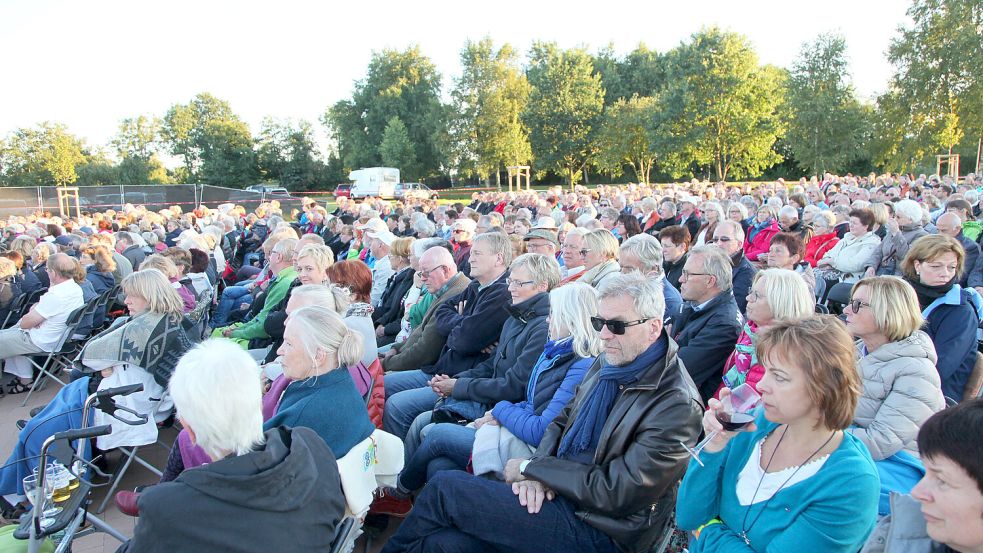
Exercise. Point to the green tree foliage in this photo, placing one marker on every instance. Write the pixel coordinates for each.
(137, 142)
(398, 84)
(564, 110)
(286, 152)
(624, 137)
(935, 98)
(396, 149)
(214, 143)
(728, 108)
(40, 156)
(826, 122)
(486, 129)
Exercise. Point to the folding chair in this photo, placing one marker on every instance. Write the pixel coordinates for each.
(130, 453)
(14, 310)
(27, 301)
(59, 357)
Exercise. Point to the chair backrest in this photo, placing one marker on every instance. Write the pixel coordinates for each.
(373, 463)
(974, 386)
(71, 327)
(14, 310)
(822, 309)
(840, 293)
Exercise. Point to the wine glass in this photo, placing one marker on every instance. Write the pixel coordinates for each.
(736, 412)
(37, 496)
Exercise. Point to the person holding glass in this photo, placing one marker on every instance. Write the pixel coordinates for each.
(792, 480)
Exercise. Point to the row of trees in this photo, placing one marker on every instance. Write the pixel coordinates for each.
(706, 108)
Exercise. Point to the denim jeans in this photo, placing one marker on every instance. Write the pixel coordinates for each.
(231, 299)
(445, 446)
(407, 396)
(459, 512)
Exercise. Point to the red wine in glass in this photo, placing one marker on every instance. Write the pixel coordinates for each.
(734, 421)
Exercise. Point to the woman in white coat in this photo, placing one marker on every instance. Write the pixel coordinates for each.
(845, 262)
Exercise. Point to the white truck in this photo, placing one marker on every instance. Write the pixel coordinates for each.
(378, 182)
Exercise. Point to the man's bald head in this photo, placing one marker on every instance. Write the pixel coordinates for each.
(436, 268)
(949, 224)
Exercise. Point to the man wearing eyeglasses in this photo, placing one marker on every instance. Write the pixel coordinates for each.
(709, 323)
(729, 237)
(603, 477)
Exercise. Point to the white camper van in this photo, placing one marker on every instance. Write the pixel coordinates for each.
(378, 182)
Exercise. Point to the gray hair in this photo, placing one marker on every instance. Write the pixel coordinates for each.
(910, 209)
(500, 244)
(715, 207)
(671, 206)
(543, 269)
(424, 244)
(716, 264)
(571, 307)
(425, 227)
(331, 297)
(647, 249)
(216, 388)
(788, 211)
(738, 229)
(646, 293)
(740, 207)
(325, 330)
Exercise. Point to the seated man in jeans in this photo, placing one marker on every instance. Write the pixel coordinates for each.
(604, 476)
(472, 322)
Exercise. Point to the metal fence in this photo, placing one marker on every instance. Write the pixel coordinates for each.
(26, 200)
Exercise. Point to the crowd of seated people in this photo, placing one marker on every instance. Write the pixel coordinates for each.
(549, 359)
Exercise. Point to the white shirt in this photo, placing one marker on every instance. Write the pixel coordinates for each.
(381, 272)
(55, 306)
(770, 483)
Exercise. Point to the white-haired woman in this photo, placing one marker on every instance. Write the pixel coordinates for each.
(275, 488)
(572, 346)
(713, 213)
(601, 257)
(776, 296)
(901, 231)
(119, 356)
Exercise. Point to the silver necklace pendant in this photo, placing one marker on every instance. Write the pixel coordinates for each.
(745, 538)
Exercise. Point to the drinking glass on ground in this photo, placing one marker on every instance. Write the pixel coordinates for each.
(735, 412)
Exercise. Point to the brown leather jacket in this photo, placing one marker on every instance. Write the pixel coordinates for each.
(629, 492)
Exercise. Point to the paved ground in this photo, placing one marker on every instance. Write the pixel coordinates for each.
(10, 411)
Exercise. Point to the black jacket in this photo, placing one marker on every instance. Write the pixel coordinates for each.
(706, 338)
(135, 255)
(474, 330)
(742, 276)
(629, 491)
(389, 314)
(972, 254)
(674, 270)
(505, 375)
(284, 496)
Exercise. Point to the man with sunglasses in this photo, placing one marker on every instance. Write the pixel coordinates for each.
(709, 324)
(604, 475)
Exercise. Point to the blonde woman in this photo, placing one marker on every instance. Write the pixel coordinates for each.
(776, 296)
(312, 264)
(170, 270)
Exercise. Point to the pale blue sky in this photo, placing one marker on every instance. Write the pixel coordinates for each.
(90, 64)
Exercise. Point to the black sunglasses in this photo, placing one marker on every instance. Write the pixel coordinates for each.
(616, 327)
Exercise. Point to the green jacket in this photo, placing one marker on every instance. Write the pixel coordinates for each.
(420, 308)
(972, 230)
(274, 296)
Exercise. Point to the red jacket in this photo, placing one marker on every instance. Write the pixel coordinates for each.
(761, 242)
(818, 246)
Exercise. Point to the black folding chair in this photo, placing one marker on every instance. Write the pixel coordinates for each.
(61, 354)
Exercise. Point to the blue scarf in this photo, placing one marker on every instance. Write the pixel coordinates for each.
(552, 350)
(585, 432)
(756, 228)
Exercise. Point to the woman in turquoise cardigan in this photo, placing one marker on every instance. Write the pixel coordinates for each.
(792, 481)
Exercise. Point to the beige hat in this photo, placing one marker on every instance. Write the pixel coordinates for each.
(543, 234)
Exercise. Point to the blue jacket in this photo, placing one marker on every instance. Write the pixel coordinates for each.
(100, 281)
(329, 405)
(832, 511)
(505, 375)
(674, 301)
(952, 321)
(551, 386)
(470, 332)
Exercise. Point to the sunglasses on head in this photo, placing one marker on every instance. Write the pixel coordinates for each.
(616, 327)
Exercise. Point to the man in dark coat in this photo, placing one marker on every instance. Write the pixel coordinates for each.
(729, 237)
(709, 324)
(127, 248)
(604, 475)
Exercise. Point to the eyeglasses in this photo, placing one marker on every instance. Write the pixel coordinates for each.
(616, 327)
(724, 239)
(517, 283)
(688, 274)
(754, 296)
(855, 305)
(425, 273)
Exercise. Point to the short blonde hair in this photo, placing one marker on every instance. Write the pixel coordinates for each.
(931, 247)
(543, 269)
(787, 295)
(7, 268)
(401, 247)
(822, 348)
(322, 256)
(162, 264)
(894, 305)
(603, 241)
(153, 286)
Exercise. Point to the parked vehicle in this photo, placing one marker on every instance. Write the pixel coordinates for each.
(378, 182)
(343, 191)
(269, 189)
(415, 190)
